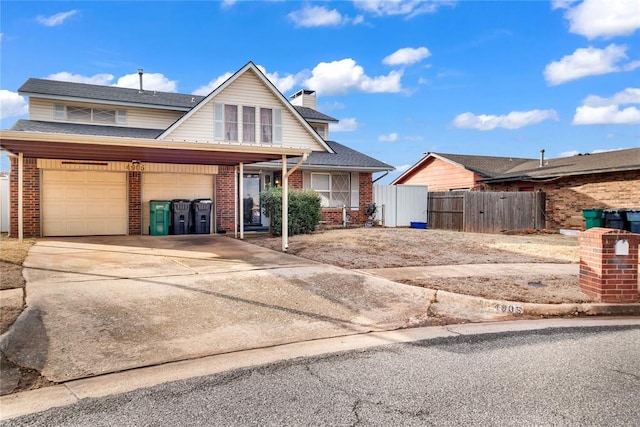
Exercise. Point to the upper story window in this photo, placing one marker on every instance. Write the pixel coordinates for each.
(230, 122)
(321, 130)
(226, 124)
(75, 113)
(249, 124)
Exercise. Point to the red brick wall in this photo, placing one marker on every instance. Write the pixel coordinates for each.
(30, 198)
(225, 200)
(566, 197)
(295, 180)
(605, 275)
(135, 202)
(332, 217)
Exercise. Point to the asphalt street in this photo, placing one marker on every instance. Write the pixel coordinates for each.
(558, 376)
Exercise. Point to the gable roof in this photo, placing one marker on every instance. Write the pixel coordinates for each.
(83, 129)
(54, 89)
(249, 67)
(342, 157)
(486, 166)
(583, 164)
(313, 115)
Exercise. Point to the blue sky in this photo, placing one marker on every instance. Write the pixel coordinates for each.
(503, 78)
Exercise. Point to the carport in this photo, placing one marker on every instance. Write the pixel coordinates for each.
(133, 156)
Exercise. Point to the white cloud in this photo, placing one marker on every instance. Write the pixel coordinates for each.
(228, 3)
(513, 120)
(343, 76)
(150, 81)
(407, 55)
(408, 8)
(284, 83)
(597, 110)
(392, 137)
(209, 87)
(402, 168)
(57, 19)
(569, 153)
(588, 61)
(316, 16)
(12, 104)
(600, 18)
(344, 125)
(97, 79)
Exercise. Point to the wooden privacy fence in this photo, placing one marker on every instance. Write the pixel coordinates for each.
(486, 212)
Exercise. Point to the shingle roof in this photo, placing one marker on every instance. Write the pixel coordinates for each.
(342, 158)
(82, 129)
(310, 114)
(487, 166)
(108, 93)
(610, 161)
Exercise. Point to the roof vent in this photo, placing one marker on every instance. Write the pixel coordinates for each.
(140, 72)
(542, 157)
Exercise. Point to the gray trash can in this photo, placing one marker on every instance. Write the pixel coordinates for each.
(201, 212)
(180, 216)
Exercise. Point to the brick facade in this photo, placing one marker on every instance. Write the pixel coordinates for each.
(135, 205)
(604, 274)
(30, 198)
(225, 199)
(566, 197)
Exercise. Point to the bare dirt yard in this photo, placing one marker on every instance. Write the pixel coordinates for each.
(369, 248)
(12, 255)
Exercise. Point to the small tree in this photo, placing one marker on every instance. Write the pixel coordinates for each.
(304, 210)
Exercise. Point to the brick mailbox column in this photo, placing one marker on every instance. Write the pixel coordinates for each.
(609, 265)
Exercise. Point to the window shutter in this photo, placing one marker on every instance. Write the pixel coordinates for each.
(121, 117)
(59, 112)
(306, 180)
(355, 191)
(277, 126)
(218, 121)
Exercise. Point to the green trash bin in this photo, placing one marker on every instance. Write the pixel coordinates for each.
(593, 218)
(159, 214)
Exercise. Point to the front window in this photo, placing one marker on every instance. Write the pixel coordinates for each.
(230, 122)
(333, 188)
(249, 124)
(266, 125)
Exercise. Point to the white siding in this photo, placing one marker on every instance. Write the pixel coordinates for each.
(147, 118)
(247, 90)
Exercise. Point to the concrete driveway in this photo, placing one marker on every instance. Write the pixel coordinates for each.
(106, 304)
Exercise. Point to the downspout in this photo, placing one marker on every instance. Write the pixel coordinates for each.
(285, 197)
(20, 194)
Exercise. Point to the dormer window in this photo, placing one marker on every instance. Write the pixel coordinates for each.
(74, 113)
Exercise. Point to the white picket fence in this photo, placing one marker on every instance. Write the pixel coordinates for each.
(400, 205)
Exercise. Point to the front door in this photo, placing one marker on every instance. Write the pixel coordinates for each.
(251, 202)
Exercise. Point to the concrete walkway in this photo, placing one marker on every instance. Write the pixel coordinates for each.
(108, 304)
(467, 270)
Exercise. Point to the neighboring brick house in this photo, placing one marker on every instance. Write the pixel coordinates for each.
(91, 158)
(606, 180)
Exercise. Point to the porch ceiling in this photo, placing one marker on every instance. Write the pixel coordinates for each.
(144, 151)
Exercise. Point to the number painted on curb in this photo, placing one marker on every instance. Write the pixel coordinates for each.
(513, 309)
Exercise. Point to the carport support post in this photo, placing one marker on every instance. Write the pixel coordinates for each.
(20, 192)
(241, 204)
(285, 205)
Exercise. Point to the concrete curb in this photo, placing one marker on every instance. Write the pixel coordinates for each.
(514, 308)
(29, 402)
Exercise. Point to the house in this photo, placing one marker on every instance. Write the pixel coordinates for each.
(90, 158)
(603, 180)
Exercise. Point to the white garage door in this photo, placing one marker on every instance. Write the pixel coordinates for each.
(169, 186)
(84, 203)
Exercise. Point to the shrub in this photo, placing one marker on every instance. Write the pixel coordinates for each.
(304, 210)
